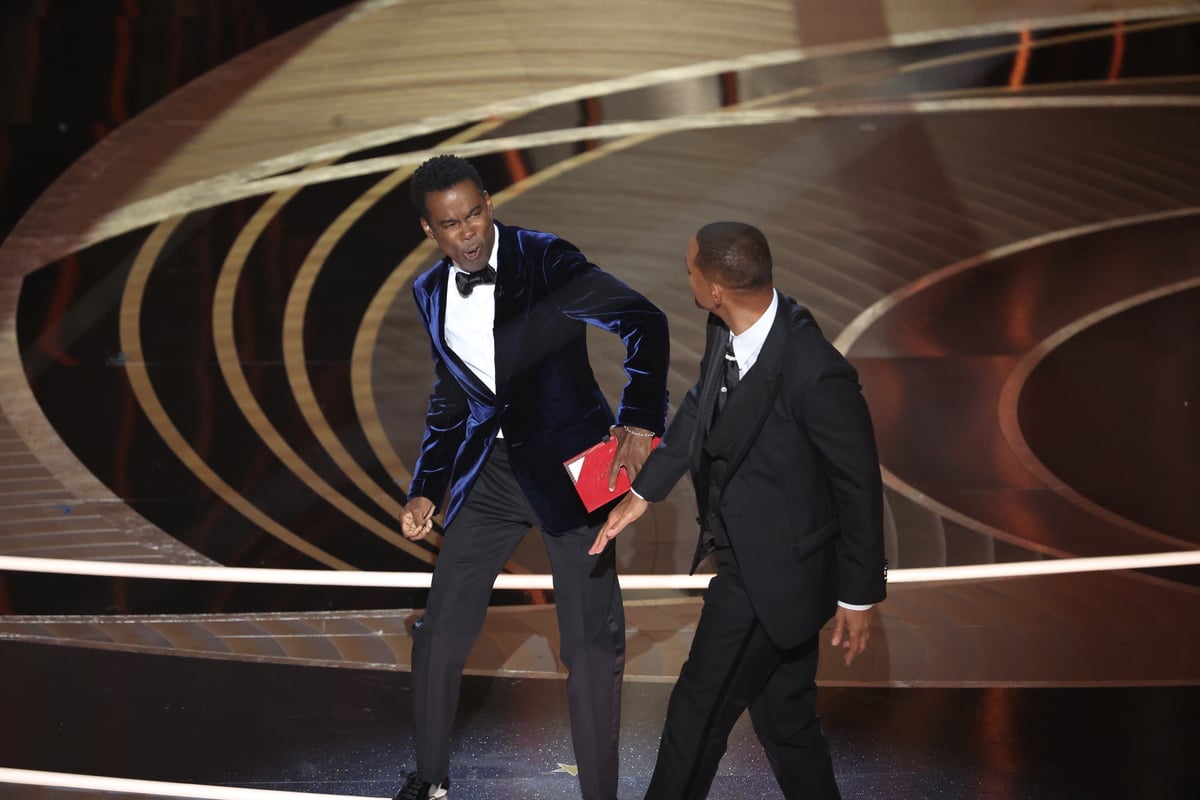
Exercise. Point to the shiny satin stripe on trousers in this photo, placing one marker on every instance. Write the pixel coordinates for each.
(733, 666)
(591, 620)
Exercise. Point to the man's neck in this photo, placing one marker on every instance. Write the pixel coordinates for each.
(740, 311)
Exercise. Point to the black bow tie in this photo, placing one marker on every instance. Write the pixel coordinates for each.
(467, 281)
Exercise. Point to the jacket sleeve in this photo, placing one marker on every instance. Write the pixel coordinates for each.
(673, 457)
(838, 423)
(587, 293)
(670, 460)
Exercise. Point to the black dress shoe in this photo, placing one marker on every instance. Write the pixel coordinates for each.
(417, 789)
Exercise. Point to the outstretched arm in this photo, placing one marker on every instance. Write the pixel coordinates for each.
(664, 467)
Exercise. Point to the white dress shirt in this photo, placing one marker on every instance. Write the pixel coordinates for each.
(471, 321)
(749, 343)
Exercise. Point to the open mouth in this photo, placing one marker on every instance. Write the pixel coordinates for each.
(472, 254)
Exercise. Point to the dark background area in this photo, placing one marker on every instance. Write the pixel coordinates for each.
(71, 71)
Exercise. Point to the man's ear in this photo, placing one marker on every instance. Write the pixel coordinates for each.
(425, 227)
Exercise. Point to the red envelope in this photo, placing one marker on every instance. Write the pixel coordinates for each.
(589, 472)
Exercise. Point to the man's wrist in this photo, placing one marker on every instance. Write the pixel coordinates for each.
(641, 433)
(855, 606)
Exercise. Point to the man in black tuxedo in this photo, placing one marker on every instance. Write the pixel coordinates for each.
(781, 449)
(514, 397)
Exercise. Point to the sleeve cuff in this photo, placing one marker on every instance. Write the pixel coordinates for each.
(638, 418)
(855, 607)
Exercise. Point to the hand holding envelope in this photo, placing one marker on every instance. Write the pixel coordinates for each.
(602, 473)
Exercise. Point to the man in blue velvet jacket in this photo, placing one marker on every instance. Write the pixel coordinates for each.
(514, 397)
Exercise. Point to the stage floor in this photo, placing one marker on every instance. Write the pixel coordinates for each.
(344, 731)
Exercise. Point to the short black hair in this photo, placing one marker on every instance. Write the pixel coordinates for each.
(439, 174)
(734, 254)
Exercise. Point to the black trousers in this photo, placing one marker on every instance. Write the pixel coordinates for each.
(591, 624)
(733, 666)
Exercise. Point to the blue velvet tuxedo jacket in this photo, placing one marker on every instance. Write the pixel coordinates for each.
(788, 471)
(547, 400)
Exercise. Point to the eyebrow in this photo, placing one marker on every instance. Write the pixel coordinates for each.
(475, 209)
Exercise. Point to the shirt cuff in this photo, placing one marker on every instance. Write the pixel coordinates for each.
(853, 607)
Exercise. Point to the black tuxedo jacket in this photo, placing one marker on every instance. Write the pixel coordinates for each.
(788, 471)
(546, 397)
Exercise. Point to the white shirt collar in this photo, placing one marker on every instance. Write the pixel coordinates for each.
(748, 343)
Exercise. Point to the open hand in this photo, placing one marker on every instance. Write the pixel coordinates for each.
(629, 509)
(851, 629)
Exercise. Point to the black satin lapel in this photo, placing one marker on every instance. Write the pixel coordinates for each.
(714, 353)
(734, 431)
(509, 327)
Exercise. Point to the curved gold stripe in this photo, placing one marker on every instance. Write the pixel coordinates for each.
(1123, 83)
(294, 355)
(680, 124)
(1010, 393)
(425, 251)
(975, 55)
(364, 348)
(248, 181)
(139, 379)
(852, 332)
(898, 484)
(225, 343)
